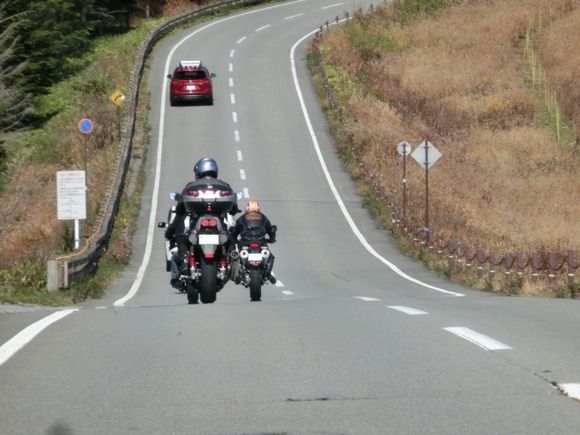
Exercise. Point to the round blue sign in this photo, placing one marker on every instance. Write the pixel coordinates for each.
(86, 125)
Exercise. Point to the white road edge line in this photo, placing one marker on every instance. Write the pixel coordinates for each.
(8, 349)
(480, 340)
(347, 216)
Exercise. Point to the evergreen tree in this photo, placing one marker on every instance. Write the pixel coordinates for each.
(14, 106)
(55, 35)
(13, 103)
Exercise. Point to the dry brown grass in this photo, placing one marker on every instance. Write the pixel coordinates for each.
(461, 79)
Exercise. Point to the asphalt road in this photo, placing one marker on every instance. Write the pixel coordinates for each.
(353, 339)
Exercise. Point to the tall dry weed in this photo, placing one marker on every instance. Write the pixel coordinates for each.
(461, 80)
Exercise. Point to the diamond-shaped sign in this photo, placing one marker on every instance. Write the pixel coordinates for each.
(426, 154)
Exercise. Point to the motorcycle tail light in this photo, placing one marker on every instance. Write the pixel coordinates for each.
(209, 223)
(191, 260)
(254, 245)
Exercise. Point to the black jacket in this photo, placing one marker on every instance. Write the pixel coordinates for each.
(253, 226)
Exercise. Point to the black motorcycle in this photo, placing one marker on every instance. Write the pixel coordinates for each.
(208, 266)
(255, 265)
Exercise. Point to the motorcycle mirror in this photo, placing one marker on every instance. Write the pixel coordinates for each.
(175, 196)
(239, 195)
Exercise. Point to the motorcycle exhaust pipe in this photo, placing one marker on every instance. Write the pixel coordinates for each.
(265, 253)
(234, 255)
(244, 254)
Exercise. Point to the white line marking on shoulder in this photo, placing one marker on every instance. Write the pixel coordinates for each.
(480, 340)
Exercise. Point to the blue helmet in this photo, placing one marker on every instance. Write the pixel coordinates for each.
(206, 167)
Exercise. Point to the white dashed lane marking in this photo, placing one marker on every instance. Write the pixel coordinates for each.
(407, 310)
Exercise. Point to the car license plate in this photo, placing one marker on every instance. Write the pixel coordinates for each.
(209, 239)
(254, 257)
(190, 87)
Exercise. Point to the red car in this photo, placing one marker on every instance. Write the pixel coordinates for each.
(191, 82)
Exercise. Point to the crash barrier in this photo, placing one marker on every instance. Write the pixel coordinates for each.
(66, 269)
(515, 267)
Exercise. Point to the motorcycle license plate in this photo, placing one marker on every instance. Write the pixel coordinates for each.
(209, 239)
(254, 257)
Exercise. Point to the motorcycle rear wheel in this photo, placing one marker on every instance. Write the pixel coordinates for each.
(208, 280)
(255, 285)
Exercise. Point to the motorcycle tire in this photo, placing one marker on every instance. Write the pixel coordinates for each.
(208, 280)
(192, 294)
(255, 285)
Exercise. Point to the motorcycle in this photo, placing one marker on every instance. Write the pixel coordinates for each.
(208, 267)
(255, 265)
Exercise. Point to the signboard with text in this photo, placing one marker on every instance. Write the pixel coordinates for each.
(71, 194)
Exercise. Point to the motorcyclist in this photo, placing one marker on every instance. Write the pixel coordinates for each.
(253, 226)
(206, 173)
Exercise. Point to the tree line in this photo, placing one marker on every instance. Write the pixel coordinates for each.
(42, 42)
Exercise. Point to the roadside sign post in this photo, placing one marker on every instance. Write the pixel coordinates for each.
(426, 155)
(85, 127)
(71, 194)
(118, 99)
(404, 148)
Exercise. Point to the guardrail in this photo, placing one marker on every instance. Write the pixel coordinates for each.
(72, 267)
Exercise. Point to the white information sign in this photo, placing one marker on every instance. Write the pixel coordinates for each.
(426, 154)
(71, 194)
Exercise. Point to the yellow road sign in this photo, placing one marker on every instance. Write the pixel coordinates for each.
(117, 97)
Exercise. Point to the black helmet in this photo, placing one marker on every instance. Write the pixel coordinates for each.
(206, 167)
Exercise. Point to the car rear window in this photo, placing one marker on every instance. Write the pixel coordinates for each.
(190, 75)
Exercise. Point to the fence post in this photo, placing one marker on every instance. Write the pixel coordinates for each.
(571, 267)
(509, 262)
(468, 259)
(491, 265)
(520, 264)
(480, 262)
(57, 274)
(551, 267)
(535, 266)
(431, 241)
(440, 247)
(450, 257)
